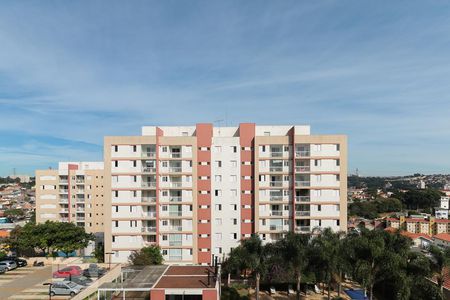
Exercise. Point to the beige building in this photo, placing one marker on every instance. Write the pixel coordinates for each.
(72, 193)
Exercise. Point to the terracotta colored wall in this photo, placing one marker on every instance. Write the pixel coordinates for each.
(247, 139)
(204, 139)
(158, 295)
(209, 295)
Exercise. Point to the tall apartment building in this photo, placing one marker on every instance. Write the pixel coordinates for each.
(196, 191)
(72, 193)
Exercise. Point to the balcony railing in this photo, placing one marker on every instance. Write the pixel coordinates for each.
(276, 227)
(151, 184)
(276, 198)
(175, 258)
(148, 170)
(302, 169)
(80, 209)
(302, 183)
(276, 183)
(276, 169)
(276, 154)
(175, 228)
(148, 199)
(148, 154)
(63, 181)
(302, 199)
(175, 169)
(302, 213)
(175, 199)
(276, 213)
(79, 199)
(63, 191)
(175, 213)
(175, 243)
(175, 184)
(303, 228)
(64, 211)
(64, 219)
(175, 154)
(149, 214)
(80, 191)
(302, 153)
(63, 200)
(79, 181)
(80, 218)
(148, 229)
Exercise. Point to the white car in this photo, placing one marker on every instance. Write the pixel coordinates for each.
(9, 264)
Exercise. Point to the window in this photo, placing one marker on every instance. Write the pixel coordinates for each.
(218, 178)
(319, 207)
(134, 178)
(234, 236)
(164, 237)
(134, 148)
(116, 194)
(338, 162)
(218, 206)
(338, 147)
(184, 133)
(219, 163)
(218, 148)
(113, 238)
(286, 148)
(234, 221)
(267, 133)
(164, 164)
(263, 148)
(116, 148)
(263, 222)
(233, 164)
(234, 149)
(218, 221)
(164, 222)
(337, 222)
(218, 193)
(338, 177)
(165, 179)
(320, 222)
(116, 223)
(234, 206)
(165, 193)
(218, 236)
(233, 193)
(164, 149)
(164, 208)
(233, 178)
(116, 163)
(317, 162)
(134, 194)
(134, 163)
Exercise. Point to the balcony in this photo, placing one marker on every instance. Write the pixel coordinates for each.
(80, 191)
(175, 243)
(149, 243)
(276, 213)
(80, 181)
(276, 169)
(148, 154)
(148, 170)
(176, 184)
(80, 219)
(151, 184)
(302, 183)
(149, 199)
(80, 209)
(276, 198)
(80, 199)
(301, 169)
(176, 228)
(175, 169)
(64, 211)
(175, 154)
(64, 219)
(175, 213)
(63, 201)
(63, 191)
(303, 228)
(149, 214)
(276, 227)
(302, 199)
(276, 154)
(149, 229)
(302, 213)
(175, 199)
(302, 153)
(276, 183)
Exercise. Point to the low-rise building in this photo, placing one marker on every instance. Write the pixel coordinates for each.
(442, 240)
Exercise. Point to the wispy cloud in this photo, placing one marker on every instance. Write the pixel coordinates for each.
(76, 71)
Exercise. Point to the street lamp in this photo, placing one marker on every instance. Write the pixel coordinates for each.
(109, 261)
(49, 289)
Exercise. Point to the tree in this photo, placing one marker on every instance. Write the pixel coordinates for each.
(294, 249)
(99, 253)
(440, 262)
(70, 237)
(146, 256)
(325, 253)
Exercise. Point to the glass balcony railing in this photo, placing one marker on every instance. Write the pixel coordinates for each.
(302, 199)
(302, 183)
(175, 154)
(276, 227)
(149, 229)
(175, 199)
(302, 213)
(276, 183)
(175, 213)
(276, 169)
(302, 153)
(276, 213)
(148, 154)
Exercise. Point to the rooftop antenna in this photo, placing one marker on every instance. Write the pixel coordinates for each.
(357, 172)
(14, 172)
(219, 123)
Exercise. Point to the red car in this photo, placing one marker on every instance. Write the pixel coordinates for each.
(67, 272)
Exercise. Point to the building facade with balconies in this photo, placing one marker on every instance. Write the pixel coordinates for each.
(197, 191)
(72, 193)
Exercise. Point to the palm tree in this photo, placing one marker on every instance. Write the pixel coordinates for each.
(325, 250)
(440, 262)
(294, 251)
(253, 256)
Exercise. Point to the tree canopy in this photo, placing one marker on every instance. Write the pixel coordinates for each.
(146, 256)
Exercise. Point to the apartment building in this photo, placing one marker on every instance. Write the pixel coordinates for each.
(429, 226)
(72, 193)
(196, 191)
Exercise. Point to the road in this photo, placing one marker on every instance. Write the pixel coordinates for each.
(21, 280)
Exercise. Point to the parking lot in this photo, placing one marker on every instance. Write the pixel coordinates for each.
(27, 283)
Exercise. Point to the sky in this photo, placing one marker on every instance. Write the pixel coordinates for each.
(72, 72)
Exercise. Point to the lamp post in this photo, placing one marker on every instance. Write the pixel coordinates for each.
(49, 289)
(109, 260)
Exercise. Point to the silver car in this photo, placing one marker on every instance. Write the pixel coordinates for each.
(2, 269)
(65, 288)
(9, 264)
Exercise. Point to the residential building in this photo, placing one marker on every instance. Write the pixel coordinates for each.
(196, 191)
(72, 193)
(428, 226)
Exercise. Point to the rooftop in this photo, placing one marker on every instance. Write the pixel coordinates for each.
(187, 277)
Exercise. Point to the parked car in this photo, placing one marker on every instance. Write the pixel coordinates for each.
(9, 264)
(65, 288)
(94, 271)
(19, 261)
(2, 269)
(68, 272)
(81, 280)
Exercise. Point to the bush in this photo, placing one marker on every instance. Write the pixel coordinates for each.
(146, 256)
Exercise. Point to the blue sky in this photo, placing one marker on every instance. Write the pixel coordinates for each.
(72, 72)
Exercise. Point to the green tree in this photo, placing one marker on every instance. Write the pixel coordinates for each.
(146, 256)
(99, 253)
(70, 237)
(294, 249)
(440, 262)
(13, 213)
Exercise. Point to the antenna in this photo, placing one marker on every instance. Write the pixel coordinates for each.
(219, 123)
